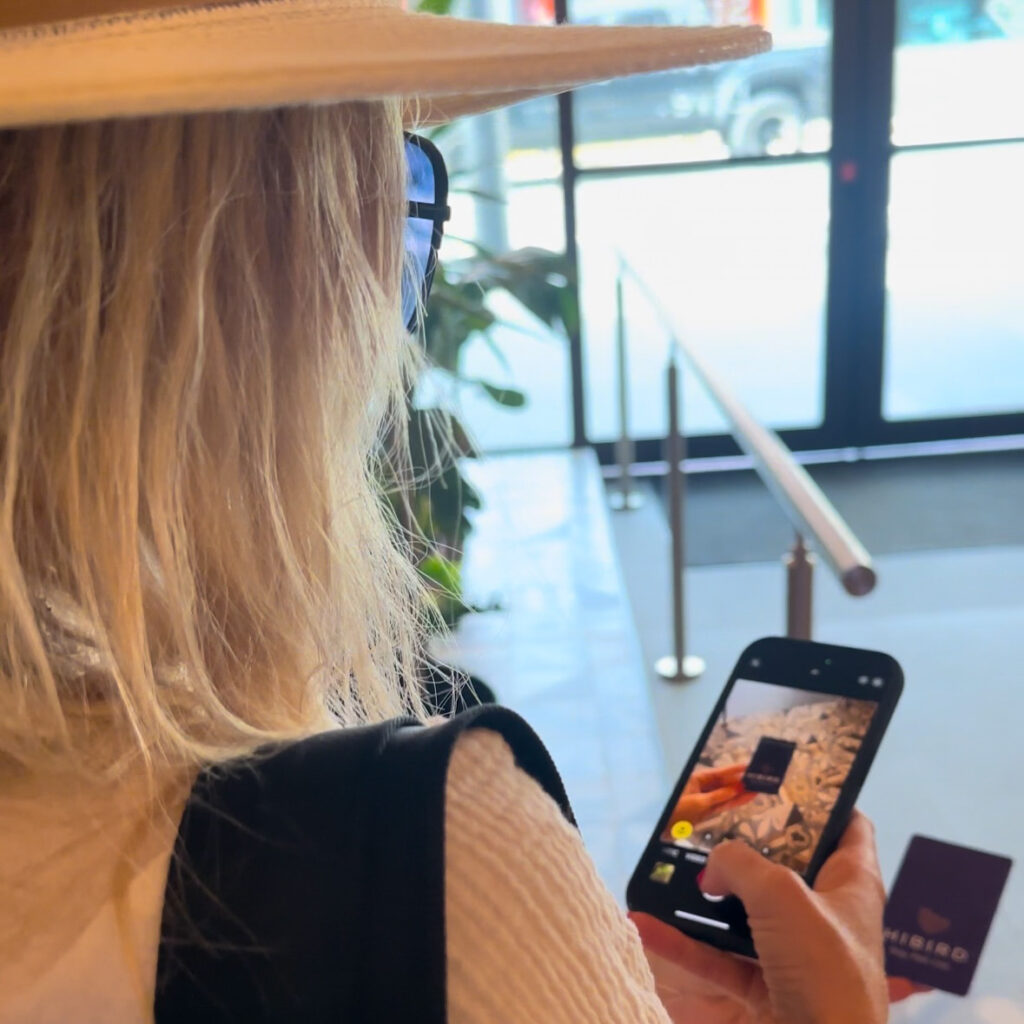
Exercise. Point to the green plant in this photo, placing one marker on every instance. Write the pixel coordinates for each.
(537, 279)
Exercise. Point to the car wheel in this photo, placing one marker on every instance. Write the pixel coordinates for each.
(768, 124)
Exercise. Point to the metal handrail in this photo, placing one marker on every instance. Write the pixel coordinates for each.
(800, 498)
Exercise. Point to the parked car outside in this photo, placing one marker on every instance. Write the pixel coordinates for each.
(958, 65)
(759, 105)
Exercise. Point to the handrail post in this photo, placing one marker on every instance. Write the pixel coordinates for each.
(799, 564)
(678, 666)
(623, 498)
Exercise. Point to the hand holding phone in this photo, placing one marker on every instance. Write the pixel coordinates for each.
(820, 956)
(765, 798)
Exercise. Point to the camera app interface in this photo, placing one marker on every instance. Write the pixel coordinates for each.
(770, 774)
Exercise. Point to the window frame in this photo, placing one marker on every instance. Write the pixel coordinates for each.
(863, 52)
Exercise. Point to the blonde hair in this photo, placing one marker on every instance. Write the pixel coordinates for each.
(199, 344)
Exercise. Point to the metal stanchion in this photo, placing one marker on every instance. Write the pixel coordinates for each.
(623, 498)
(678, 666)
(799, 564)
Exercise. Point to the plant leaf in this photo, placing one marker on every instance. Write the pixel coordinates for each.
(538, 279)
(510, 398)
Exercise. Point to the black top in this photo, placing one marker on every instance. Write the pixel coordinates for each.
(308, 884)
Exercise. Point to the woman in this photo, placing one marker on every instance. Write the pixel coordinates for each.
(199, 345)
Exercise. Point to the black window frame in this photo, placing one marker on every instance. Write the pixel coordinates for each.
(863, 51)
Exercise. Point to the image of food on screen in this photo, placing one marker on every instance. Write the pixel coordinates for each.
(771, 771)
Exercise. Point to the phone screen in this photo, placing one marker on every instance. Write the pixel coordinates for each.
(778, 766)
(770, 772)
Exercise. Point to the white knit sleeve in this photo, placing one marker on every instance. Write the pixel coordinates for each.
(532, 933)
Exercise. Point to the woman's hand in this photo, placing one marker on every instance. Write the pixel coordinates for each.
(709, 791)
(820, 951)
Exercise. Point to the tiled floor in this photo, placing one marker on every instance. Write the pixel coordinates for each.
(564, 653)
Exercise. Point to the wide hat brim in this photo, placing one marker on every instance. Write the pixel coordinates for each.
(265, 53)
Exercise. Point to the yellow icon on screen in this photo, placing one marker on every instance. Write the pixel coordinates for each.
(682, 830)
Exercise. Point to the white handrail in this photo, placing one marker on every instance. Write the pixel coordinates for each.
(800, 498)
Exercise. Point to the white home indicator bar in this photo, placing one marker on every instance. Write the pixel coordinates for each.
(702, 920)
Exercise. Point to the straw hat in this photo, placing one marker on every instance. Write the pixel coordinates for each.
(66, 60)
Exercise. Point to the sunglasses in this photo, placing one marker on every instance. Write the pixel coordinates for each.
(424, 227)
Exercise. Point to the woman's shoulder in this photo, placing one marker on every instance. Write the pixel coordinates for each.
(532, 932)
(343, 828)
(491, 746)
(488, 783)
(400, 748)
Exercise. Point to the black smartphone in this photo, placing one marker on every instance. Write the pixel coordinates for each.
(778, 765)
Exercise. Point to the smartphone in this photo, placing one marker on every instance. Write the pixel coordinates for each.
(778, 765)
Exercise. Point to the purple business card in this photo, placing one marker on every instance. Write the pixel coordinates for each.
(939, 913)
(768, 766)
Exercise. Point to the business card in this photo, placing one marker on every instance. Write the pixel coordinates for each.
(940, 911)
(769, 765)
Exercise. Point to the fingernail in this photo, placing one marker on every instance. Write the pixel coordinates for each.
(700, 877)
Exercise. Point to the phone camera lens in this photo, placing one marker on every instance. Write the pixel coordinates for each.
(815, 671)
(877, 682)
(863, 680)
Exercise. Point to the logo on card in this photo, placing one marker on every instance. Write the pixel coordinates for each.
(922, 943)
(932, 923)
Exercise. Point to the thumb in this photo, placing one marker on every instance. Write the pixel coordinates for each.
(767, 890)
(815, 967)
(792, 943)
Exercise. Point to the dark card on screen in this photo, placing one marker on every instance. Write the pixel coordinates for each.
(939, 913)
(769, 765)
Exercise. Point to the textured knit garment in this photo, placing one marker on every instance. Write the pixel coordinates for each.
(533, 935)
(394, 873)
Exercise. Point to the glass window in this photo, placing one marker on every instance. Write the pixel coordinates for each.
(520, 352)
(955, 331)
(955, 301)
(501, 201)
(737, 259)
(506, 193)
(959, 71)
(776, 103)
(736, 255)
